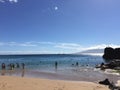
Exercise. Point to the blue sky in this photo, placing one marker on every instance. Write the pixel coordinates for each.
(58, 26)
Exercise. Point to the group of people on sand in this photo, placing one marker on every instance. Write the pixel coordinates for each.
(12, 66)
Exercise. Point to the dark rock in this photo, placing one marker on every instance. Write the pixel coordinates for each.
(102, 66)
(111, 85)
(117, 53)
(105, 82)
(98, 66)
(115, 64)
(117, 68)
(110, 53)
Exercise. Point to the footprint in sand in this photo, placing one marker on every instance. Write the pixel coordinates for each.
(59, 88)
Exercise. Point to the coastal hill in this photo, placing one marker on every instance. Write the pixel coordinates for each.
(92, 52)
(111, 53)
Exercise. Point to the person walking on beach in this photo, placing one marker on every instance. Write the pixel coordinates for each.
(3, 69)
(56, 64)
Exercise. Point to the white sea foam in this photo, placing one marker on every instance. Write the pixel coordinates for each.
(110, 71)
(118, 83)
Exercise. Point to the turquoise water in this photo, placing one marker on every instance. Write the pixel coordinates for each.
(47, 62)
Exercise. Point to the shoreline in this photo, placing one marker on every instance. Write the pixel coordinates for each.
(25, 83)
(86, 76)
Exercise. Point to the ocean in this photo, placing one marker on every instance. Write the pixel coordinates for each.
(69, 67)
(46, 62)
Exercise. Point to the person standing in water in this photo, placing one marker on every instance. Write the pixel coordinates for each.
(77, 63)
(56, 65)
(3, 66)
(23, 66)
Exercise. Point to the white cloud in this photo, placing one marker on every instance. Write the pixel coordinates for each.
(2, 1)
(17, 44)
(1, 43)
(15, 1)
(12, 1)
(10, 44)
(48, 43)
(27, 44)
(72, 46)
(102, 46)
(50, 47)
(77, 47)
(26, 52)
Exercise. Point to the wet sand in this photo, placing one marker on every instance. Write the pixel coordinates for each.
(90, 76)
(76, 81)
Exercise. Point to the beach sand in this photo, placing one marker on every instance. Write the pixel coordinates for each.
(19, 83)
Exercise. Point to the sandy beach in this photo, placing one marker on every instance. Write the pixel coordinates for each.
(19, 83)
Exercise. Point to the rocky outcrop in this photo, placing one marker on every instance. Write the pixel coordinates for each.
(117, 53)
(111, 85)
(110, 53)
(112, 57)
(115, 64)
